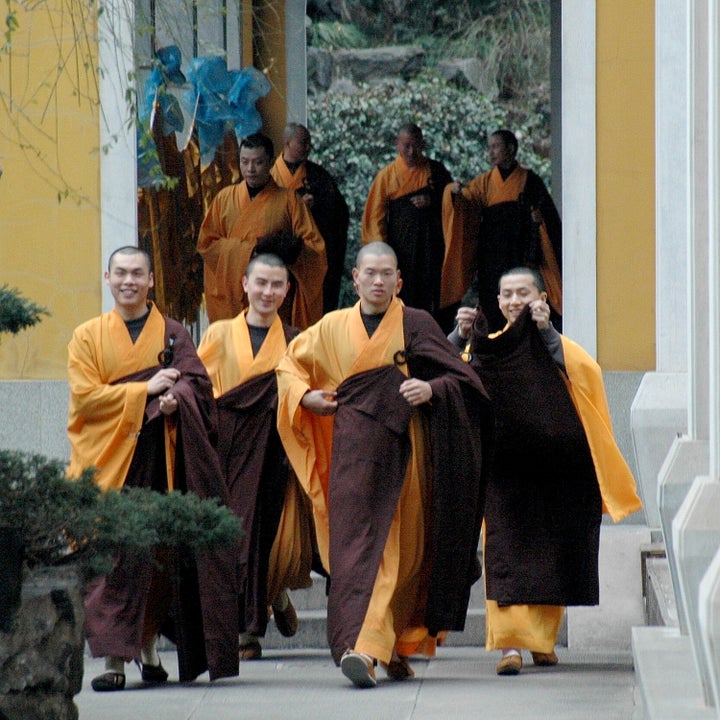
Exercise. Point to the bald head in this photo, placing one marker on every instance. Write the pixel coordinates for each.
(376, 248)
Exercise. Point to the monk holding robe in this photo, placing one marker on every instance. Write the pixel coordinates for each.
(556, 468)
(276, 552)
(384, 425)
(142, 414)
(404, 209)
(241, 214)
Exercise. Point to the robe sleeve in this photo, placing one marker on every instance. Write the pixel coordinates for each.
(617, 484)
(374, 219)
(310, 267)
(214, 231)
(104, 420)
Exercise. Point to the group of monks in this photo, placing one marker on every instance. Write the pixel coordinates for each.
(364, 443)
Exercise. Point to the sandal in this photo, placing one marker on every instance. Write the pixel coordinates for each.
(108, 682)
(251, 650)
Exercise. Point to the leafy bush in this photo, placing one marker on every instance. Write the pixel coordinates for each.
(354, 136)
(17, 312)
(60, 520)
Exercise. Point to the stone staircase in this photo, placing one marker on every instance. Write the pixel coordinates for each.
(311, 604)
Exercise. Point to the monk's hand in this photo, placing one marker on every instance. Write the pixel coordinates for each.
(456, 187)
(465, 318)
(162, 381)
(320, 402)
(308, 199)
(168, 404)
(536, 215)
(416, 391)
(540, 312)
(421, 201)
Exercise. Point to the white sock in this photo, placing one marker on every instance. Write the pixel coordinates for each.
(149, 654)
(510, 651)
(115, 664)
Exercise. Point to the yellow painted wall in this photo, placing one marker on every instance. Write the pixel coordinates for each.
(49, 139)
(625, 184)
(269, 37)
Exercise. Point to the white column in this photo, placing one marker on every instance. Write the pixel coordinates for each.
(578, 173)
(118, 156)
(295, 48)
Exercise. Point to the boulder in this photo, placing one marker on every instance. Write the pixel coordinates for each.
(371, 65)
(469, 72)
(41, 656)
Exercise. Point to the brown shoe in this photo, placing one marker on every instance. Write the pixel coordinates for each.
(286, 620)
(545, 659)
(398, 669)
(358, 669)
(509, 665)
(251, 651)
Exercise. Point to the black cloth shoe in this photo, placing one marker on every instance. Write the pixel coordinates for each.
(152, 673)
(108, 682)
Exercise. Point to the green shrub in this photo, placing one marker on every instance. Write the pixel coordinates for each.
(17, 312)
(354, 136)
(60, 520)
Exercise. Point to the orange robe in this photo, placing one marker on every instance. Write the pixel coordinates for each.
(330, 355)
(330, 213)
(228, 235)
(415, 233)
(226, 351)
(100, 353)
(322, 357)
(462, 215)
(535, 627)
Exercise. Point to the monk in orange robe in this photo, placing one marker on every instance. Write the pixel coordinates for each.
(502, 219)
(142, 413)
(556, 469)
(404, 209)
(238, 217)
(318, 190)
(240, 356)
(383, 424)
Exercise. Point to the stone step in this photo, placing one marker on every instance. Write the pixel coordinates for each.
(312, 632)
(314, 598)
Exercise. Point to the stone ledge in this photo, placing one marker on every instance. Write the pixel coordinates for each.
(667, 677)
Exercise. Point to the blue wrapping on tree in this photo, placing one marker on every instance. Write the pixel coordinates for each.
(225, 100)
(150, 173)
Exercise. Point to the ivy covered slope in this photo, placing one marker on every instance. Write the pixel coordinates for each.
(59, 520)
(354, 135)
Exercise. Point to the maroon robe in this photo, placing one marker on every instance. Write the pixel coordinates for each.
(256, 468)
(201, 619)
(366, 478)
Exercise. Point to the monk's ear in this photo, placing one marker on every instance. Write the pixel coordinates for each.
(399, 285)
(151, 280)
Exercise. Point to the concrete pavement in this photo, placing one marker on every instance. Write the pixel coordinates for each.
(459, 683)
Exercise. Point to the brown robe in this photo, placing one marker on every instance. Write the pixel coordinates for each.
(203, 595)
(366, 478)
(257, 469)
(543, 506)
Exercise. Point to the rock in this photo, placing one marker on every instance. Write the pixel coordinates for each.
(41, 657)
(469, 72)
(372, 65)
(320, 66)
